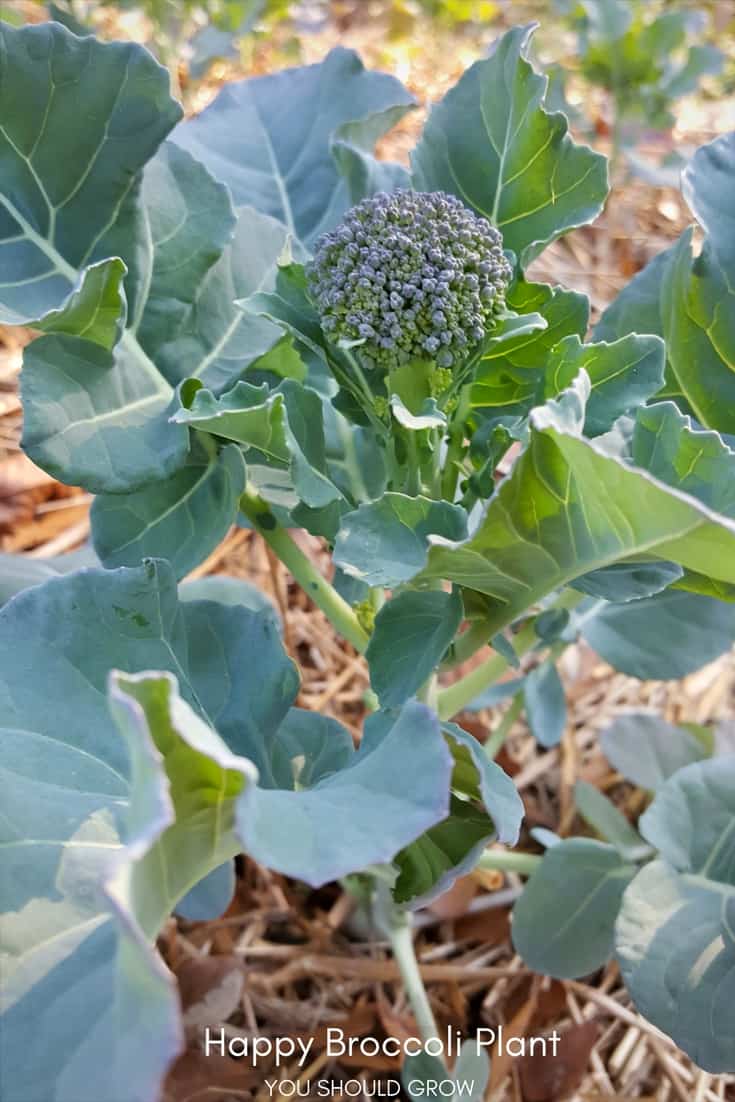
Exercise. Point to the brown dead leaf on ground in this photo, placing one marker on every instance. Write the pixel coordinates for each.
(552, 1078)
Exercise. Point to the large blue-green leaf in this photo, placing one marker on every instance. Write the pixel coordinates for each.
(98, 418)
(92, 982)
(216, 342)
(66, 172)
(564, 923)
(352, 150)
(359, 811)
(188, 220)
(108, 242)
(181, 519)
(628, 581)
(568, 507)
(707, 185)
(689, 300)
(674, 937)
(647, 750)
(662, 637)
(363, 173)
(18, 571)
(623, 375)
(386, 542)
(269, 138)
(91, 854)
(492, 143)
(412, 632)
(226, 590)
(82, 625)
(698, 308)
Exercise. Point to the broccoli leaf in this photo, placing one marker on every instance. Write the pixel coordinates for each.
(509, 373)
(662, 637)
(623, 375)
(216, 343)
(283, 426)
(57, 209)
(492, 143)
(647, 750)
(485, 806)
(698, 307)
(103, 835)
(564, 923)
(637, 309)
(674, 936)
(92, 845)
(184, 518)
(694, 460)
(386, 542)
(106, 245)
(269, 139)
(568, 507)
(412, 632)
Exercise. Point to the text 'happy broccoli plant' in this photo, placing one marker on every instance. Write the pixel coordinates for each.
(245, 317)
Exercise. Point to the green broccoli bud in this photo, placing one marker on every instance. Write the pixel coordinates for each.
(365, 613)
(441, 380)
(413, 275)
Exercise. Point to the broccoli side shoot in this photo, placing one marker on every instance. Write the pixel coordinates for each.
(411, 276)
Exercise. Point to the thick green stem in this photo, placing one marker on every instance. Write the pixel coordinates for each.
(465, 645)
(455, 449)
(413, 474)
(454, 698)
(500, 860)
(334, 607)
(495, 743)
(399, 929)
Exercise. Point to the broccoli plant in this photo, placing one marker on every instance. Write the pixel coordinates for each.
(191, 32)
(643, 58)
(245, 317)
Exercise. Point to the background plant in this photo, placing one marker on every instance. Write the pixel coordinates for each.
(645, 57)
(183, 375)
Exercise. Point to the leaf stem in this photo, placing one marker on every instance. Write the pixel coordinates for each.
(500, 860)
(398, 926)
(454, 698)
(455, 448)
(325, 596)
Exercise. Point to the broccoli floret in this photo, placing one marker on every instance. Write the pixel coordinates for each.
(413, 275)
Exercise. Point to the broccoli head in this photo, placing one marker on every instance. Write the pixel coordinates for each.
(411, 275)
